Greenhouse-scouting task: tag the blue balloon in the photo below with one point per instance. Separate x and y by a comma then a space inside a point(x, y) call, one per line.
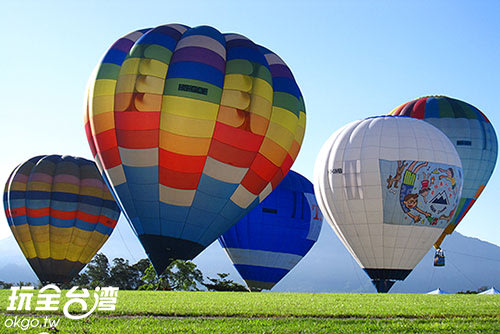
point(268, 242)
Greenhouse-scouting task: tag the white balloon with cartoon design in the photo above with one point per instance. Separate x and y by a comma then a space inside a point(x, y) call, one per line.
point(388, 186)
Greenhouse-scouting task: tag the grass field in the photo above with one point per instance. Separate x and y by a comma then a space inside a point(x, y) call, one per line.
point(232, 312)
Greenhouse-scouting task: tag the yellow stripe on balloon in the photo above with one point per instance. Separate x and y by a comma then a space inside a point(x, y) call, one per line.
point(149, 84)
point(285, 118)
point(125, 83)
point(66, 188)
point(260, 106)
point(190, 127)
point(184, 145)
point(263, 89)
point(130, 66)
point(235, 99)
point(96, 242)
point(104, 87)
point(302, 119)
point(239, 82)
point(108, 196)
point(191, 108)
point(91, 191)
point(19, 186)
point(153, 67)
point(101, 104)
point(301, 129)
point(280, 135)
point(39, 186)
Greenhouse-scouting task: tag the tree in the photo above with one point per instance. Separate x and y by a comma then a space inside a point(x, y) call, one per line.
point(473, 292)
point(223, 284)
point(98, 271)
point(81, 280)
point(184, 276)
point(179, 275)
point(5, 285)
point(123, 276)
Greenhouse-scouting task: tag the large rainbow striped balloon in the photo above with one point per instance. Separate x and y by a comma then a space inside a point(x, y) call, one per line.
point(473, 136)
point(60, 212)
point(193, 129)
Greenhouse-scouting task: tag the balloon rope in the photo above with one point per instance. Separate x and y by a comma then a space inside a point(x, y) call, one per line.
point(429, 286)
point(355, 267)
point(448, 260)
point(125, 244)
point(476, 256)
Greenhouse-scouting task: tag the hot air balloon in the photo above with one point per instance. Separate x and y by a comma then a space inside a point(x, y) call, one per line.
point(388, 186)
point(61, 212)
point(270, 240)
point(474, 138)
point(193, 128)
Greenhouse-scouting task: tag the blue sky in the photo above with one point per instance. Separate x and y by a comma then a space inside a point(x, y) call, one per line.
point(351, 59)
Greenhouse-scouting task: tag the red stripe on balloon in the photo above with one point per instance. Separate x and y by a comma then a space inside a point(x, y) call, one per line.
point(139, 139)
point(59, 214)
point(264, 167)
point(178, 180)
point(237, 137)
point(110, 158)
point(43, 212)
point(105, 140)
point(253, 182)
point(90, 139)
point(137, 120)
point(230, 155)
point(277, 178)
point(17, 212)
point(287, 164)
point(419, 109)
point(181, 162)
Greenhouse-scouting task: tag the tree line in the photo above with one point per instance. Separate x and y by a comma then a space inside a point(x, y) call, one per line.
point(178, 276)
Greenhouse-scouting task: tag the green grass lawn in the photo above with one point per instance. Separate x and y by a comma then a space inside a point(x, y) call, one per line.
point(233, 312)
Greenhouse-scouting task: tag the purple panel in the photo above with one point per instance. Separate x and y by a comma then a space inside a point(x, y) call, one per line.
point(199, 55)
point(279, 70)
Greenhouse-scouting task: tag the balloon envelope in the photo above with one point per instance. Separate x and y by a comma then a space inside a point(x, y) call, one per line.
point(193, 128)
point(473, 136)
point(60, 212)
point(388, 186)
point(270, 240)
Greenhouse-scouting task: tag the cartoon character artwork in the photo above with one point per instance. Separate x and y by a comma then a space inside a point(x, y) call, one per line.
point(427, 193)
point(424, 187)
point(393, 181)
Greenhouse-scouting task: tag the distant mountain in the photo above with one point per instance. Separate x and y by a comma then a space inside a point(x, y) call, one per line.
point(470, 264)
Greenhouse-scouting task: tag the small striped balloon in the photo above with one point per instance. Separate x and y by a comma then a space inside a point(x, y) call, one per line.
point(61, 212)
point(193, 129)
point(269, 241)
